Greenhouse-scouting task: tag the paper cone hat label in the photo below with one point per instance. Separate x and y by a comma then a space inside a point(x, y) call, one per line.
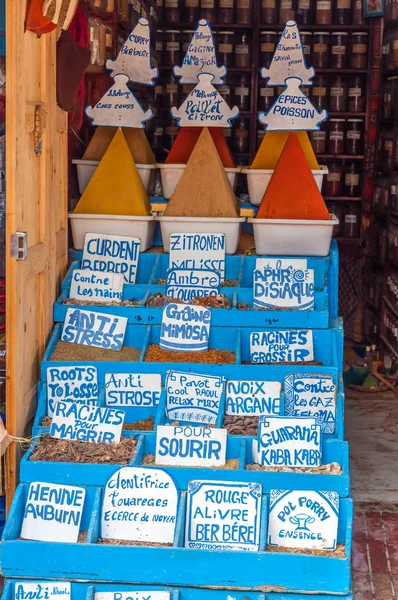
point(200, 57)
point(119, 107)
point(205, 106)
point(288, 60)
point(292, 111)
point(134, 58)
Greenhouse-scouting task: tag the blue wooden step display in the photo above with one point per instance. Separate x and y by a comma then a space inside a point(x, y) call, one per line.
point(87, 591)
point(173, 566)
point(238, 447)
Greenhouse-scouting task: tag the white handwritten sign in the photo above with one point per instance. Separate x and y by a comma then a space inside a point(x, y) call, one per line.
point(280, 263)
point(119, 107)
point(112, 254)
point(287, 442)
point(53, 512)
point(185, 283)
point(253, 398)
point(192, 397)
point(223, 515)
point(95, 285)
point(284, 288)
point(185, 328)
point(276, 346)
point(132, 389)
point(134, 58)
point(200, 57)
point(198, 251)
point(140, 505)
point(42, 590)
point(204, 107)
point(183, 445)
point(303, 519)
point(94, 329)
point(78, 384)
point(132, 595)
point(72, 421)
point(312, 396)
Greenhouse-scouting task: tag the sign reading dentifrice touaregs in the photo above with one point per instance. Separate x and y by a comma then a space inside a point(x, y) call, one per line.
point(42, 590)
point(291, 345)
point(193, 397)
point(185, 328)
point(112, 254)
point(132, 389)
point(73, 421)
point(94, 329)
point(76, 384)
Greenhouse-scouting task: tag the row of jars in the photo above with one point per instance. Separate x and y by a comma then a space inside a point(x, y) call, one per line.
point(392, 288)
point(390, 327)
point(224, 12)
point(309, 12)
point(343, 179)
point(390, 11)
point(390, 50)
point(390, 98)
point(385, 195)
point(339, 136)
point(386, 149)
point(349, 216)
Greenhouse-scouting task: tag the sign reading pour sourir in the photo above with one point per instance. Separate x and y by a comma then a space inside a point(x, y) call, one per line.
point(277, 346)
point(303, 519)
point(52, 512)
point(112, 254)
point(287, 442)
point(77, 384)
point(185, 328)
point(42, 590)
point(185, 283)
point(183, 445)
point(223, 515)
point(132, 389)
point(198, 251)
point(283, 288)
point(193, 397)
point(139, 505)
point(253, 398)
point(94, 329)
point(73, 421)
point(95, 285)
point(312, 395)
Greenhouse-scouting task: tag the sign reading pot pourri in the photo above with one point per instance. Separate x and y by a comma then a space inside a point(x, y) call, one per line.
point(223, 515)
point(42, 590)
point(132, 389)
point(112, 254)
point(284, 288)
point(303, 519)
point(185, 283)
point(73, 421)
point(183, 445)
point(52, 512)
point(253, 398)
point(96, 285)
point(312, 396)
point(185, 328)
point(291, 345)
point(140, 504)
point(76, 384)
point(193, 397)
point(133, 595)
point(89, 328)
point(198, 251)
point(287, 442)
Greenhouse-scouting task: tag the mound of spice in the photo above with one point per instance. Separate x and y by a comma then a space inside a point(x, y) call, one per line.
point(131, 543)
point(237, 425)
point(338, 553)
point(50, 449)
point(328, 469)
point(147, 424)
point(220, 357)
point(219, 301)
point(231, 463)
point(65, 351)
point(78, 302)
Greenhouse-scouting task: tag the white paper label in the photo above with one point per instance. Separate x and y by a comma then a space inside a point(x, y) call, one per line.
point(77, 384)
point(96, 285)
point(281, 346)
point(312, 396)
point(73, 421)
point(94, 329)
point(198, 251)
point(192, 397)
point(185, 328)
point(289, 442)
point(284, 288)
point(42, 590)
point(190, 446)
point(253, 398)
point(112, 254)
point(136, 390)
point(186, 283)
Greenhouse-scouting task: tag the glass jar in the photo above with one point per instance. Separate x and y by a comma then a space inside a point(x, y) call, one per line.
point(266, 96)
point(319, 93)
point(186, 89)
point(388, 149)
point(323, 15)
point(260, 136)
point(352, 215)
point(159, 94)
point(306, 42)
point(225, 11)
point(242, 51)
point(242, 92)
point(354, 136)
point(241, 135)
point(159, 45)
point(376, 194)
point(227, 133)
point(394, 49)
point(169, 135)
point(171, 47)
point(338, 94)
point(225, 90)
point(357, 13)
point(343, 12)
point(286, 11)
point(208, 10)
point(304, 12)
point(158, 137)
point(170, 91)
point(339, 49)
point(268, 12)
point(268, 40)
point(356, 94)
point(191, 11)
point(335, 208)
point(393, 194)
point(320, 50)
point(388, 98)
point(318, 141)
point(225, 48)
point(359, 50)
point(171, 12)
point(334, 179)
point(244, 10)
point(394, 10)
point(336, 136)
point(352, 180)
point(187, 35)
point(386, 49)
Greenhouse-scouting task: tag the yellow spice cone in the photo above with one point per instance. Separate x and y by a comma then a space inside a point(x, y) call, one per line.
point(272, 145)
point(135, 138)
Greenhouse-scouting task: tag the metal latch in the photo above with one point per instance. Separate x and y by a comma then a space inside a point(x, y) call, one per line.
point(19, 245)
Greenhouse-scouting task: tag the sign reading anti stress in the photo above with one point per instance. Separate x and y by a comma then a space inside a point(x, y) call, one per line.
point(42, 590)
point(94, 329)
point(185, 328)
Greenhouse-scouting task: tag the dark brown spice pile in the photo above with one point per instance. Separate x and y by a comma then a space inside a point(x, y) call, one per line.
point(219, 301)
point(54, 450)
point(338, 553)
point(147, 424)
point(237, 425)
point(78, 302)
point(156, 354)
point(229, 283)
point(64, 351)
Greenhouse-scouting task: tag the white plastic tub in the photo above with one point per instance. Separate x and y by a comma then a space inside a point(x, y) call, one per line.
point(229, 226)
point(171, 175)
point(86, 168)
point(293, 237)
point(140, 227)
point(258, 180)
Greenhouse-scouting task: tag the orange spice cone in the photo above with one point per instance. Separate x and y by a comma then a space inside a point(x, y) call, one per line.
point(186, 140)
